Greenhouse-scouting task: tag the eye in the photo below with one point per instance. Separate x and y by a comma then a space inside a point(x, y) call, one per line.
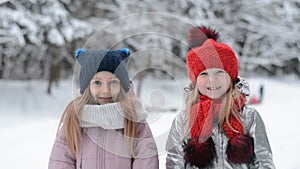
point(114, 82)
point(97, 82)
point(203, 74)
point(220, 72)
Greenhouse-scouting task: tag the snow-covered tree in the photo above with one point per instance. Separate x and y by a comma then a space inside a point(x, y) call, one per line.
point(38, 37)
point(263, 33)
point(34, 38)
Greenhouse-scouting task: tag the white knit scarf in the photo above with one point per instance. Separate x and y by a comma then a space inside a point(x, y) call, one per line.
point(107, 116)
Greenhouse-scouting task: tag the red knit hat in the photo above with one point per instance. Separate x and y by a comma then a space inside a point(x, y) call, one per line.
point(210, 54)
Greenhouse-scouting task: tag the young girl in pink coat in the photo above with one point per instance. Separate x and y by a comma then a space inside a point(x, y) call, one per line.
point(105, 127)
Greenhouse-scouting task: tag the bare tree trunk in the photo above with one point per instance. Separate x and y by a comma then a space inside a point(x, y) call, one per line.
point(54, 71)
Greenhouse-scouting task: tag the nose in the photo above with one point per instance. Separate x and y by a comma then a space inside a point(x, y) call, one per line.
point(211, 78)
point(106, 89)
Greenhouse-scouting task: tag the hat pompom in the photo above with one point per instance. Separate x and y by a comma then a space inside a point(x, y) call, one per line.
point(200, 154)
point(125, 51)
point(241, 149)
point(198, 35)
point(78, 51)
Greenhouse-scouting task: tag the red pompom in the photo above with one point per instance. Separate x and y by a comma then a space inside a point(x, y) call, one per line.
point(241, 149)
point(198, 35)
point(200, 154)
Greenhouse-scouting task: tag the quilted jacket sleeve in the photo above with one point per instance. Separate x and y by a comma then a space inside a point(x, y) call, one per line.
point(146, 150)
point(175, 153)
point(262, 147)
point(61, 157)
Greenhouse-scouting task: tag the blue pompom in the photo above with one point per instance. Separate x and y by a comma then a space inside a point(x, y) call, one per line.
point(125, 51)
point(78, 51)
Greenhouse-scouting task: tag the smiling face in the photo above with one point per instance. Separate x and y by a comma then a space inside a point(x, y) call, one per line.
point(213, 82)
point(105, 87)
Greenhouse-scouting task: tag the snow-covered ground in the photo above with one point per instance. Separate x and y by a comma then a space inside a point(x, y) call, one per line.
point(29, 118)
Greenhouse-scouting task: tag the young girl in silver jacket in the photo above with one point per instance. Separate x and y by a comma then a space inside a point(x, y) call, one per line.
point(217, 129)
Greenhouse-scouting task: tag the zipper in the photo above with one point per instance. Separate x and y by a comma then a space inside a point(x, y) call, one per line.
point(104, 148)
point(221, 147)
point(98, 143)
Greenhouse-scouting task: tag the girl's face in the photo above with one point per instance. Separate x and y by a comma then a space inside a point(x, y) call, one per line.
point(213, 82)
point(105, 87)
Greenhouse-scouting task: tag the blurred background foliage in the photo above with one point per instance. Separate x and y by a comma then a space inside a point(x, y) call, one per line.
point(38, 37)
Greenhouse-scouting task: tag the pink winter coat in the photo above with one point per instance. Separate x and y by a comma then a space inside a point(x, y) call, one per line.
point(102, 148)
point(108, 150)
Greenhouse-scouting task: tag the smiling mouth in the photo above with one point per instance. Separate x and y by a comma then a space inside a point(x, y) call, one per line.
point(213, 88)
point(106, 98)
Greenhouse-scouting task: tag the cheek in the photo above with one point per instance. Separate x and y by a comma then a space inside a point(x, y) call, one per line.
point(115, 90)
point(226, 84)
point(227, 81)
point(94, 91)
point(200, 85)
point(200, 81)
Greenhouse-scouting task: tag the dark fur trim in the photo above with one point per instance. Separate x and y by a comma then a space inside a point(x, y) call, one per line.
point(241, 149)
point(198, 154)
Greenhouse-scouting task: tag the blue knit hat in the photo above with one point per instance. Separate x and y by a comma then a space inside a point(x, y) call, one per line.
point(93, 61)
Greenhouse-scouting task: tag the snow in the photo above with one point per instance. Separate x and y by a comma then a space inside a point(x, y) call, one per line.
point(29, 118)
point(55, 37)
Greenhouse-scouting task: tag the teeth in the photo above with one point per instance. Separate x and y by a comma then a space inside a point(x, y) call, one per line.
point(213, 88)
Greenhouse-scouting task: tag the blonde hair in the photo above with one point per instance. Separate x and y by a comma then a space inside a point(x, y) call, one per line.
point(70, 124)
point(228, 107)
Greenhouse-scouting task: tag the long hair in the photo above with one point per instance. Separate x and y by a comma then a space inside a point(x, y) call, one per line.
point(70, 124)
point(129, 104)
point(228, 107)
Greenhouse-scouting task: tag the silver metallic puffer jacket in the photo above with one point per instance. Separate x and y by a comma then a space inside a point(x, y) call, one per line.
point(253, 126)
